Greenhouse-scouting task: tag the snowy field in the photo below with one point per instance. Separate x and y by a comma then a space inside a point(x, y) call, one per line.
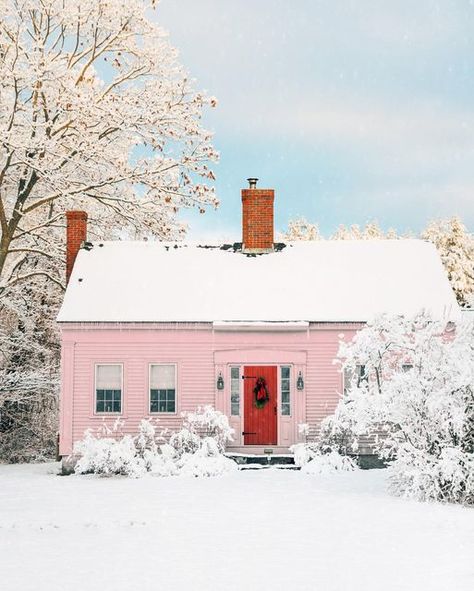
point(251, 530)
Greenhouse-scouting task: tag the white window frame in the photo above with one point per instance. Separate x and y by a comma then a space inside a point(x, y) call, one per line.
point(157, 412)
point(122, 393)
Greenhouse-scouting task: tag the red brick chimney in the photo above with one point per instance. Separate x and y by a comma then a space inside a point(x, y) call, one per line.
point(76, 234)
point(257, 218)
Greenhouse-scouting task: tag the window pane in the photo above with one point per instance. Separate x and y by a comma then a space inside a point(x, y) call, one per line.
point(163, 400)
point(285, 391)
point(235, 391)
point(162, 376)
point(108, 401)
point(108, 377)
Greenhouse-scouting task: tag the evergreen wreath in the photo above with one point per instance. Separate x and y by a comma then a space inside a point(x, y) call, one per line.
point(261, 393)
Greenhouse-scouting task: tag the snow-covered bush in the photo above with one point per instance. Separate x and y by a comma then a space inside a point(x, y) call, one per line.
point(304, 452)
point(206, 461)
point(206, 421)
point(417, 398)
point(110, 453)
point(108, 456)
point(335, 436)
point(329, 463)
point(185, 441)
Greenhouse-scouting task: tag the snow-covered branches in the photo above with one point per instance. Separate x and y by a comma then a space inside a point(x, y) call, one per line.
point(95, 113)
point(456, 248)
point(29, 371)
point(301, 229)
point(417, 397)
point(354, 232)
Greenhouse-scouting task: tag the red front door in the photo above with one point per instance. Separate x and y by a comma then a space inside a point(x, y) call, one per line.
point(260, 424)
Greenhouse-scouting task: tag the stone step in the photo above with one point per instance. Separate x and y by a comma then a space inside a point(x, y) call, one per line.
point(267, 460)
point(268, 466)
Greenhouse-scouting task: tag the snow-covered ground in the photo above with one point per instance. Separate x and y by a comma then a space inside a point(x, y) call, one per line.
point(252, 530)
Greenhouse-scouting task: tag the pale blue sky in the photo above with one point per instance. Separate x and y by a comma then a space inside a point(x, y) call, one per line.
point(351, 109)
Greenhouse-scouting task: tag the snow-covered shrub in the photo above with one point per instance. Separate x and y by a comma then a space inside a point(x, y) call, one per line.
point(329, 463)
point(185, 441)
point(206, 461)
point(110, 452)
point(206, 421)
point(304, 430)
point(336, 434)
point(417, 399)
point(107, 456)
point(446, 477)
point(303, 452)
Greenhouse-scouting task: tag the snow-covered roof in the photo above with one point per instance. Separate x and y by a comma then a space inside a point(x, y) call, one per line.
point(304, 281)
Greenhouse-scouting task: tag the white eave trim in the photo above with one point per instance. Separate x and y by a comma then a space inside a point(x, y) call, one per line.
point(249, 326)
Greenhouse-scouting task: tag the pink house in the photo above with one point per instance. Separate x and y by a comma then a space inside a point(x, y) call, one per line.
point(152, 329)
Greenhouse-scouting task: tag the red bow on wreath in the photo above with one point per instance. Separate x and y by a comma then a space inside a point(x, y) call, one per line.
point(261, 393)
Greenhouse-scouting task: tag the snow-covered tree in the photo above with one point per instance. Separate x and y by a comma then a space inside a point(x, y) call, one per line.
point(29, 370)
point(456, 248)
point(95, 113)
point(417, 398)
point(301, 229)
point(371, 231)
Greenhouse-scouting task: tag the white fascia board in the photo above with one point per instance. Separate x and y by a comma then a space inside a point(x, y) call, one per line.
point(248, 326)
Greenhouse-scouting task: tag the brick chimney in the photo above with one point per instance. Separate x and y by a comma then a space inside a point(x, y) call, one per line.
point(257, 218)
point(76, 234)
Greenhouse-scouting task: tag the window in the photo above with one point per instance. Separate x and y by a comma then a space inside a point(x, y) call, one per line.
point(235, 391)
point(108, 388)
point(362, 376)
point(285, 391)
point(406, 367)
point(163, 388)
point(359, 374)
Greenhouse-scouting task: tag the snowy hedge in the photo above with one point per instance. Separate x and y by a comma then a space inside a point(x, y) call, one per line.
point(415, 396)
point(196, 450)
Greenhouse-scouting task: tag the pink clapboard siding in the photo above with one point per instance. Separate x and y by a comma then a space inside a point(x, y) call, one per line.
point(200, 353)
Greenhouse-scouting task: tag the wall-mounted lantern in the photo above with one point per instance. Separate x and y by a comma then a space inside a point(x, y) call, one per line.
point(220, 381)
point(300, 382)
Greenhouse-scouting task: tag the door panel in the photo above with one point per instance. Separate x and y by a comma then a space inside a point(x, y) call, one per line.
point(260, 424)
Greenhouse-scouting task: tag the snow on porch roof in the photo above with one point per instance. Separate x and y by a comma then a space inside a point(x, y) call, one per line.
point(310, 281)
